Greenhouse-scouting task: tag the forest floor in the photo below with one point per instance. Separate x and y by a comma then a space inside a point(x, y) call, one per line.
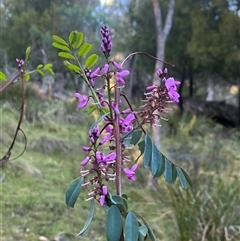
point(33, 186)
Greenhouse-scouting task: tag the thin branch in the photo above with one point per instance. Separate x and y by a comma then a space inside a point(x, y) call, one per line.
point(6, 157)
point(10, 82)
point(149, 55)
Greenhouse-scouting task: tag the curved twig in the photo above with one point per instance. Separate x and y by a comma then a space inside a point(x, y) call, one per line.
point(6, 157)
point(149, 55)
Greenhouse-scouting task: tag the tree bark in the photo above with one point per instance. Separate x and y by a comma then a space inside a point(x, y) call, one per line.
point(162, 34)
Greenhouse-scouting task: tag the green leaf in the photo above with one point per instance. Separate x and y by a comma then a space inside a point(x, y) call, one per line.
point(41, 72)
point(114, 224)
point(50, 71)
point(27, 52)
point(98, 121)
point(142, 232)
point(168, 174)
point(91, 61)
point(27, 77)
point(3, 76)
point(136, 137)
point(66, 55)
point(84, 49)
point(90, 217)
point(131, 229)
point(174, 175)
point(59, 40)
point(118, 201)
point(182, 178)
point(47, 66)
point(127, 139)
point(147, 151)
point(150, 231)
point(73, 191)
point(61, 46)
point(187, 178)
point(71, 66)
point(75, 38)
point(91, 109)
point(155, 164)
point(161, 164)
point(40, 66)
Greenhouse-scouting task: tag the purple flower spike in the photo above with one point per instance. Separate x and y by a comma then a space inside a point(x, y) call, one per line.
point(83, 100)
point(120, 75)
point(130, 173)
point(106, 45)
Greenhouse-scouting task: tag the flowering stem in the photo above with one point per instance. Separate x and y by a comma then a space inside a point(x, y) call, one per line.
point(109, 96)
point(118, 144)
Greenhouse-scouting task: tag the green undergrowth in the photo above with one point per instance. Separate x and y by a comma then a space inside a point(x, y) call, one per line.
point(33, 186)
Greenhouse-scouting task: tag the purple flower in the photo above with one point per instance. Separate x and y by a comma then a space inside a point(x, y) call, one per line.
point(130, 173)
point(104, 190)
point(105, 68)
point(165, 71)
point(95, 73)
point(120, 75)
point(85, 161)
point(171, 86)
point(159, 73)
point(117, 66)
point(102, 200)
point(83, 100)
point(151, 87)
point(115, 108)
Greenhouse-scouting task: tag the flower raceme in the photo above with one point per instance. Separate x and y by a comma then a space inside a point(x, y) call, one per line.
point(102, 154)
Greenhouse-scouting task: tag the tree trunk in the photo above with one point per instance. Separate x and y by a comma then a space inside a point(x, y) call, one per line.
point(161, 33)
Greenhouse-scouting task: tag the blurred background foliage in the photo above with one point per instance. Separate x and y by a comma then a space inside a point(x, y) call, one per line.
point(204, 46)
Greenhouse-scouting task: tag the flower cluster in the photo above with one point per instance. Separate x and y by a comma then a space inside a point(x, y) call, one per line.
point(157, 99)
point(20, 62)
